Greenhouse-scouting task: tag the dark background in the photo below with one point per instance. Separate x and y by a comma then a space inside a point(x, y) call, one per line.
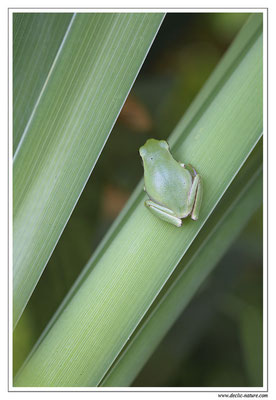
point(217, 341)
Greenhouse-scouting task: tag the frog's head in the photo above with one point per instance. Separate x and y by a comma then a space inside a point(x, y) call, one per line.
point(153, 149)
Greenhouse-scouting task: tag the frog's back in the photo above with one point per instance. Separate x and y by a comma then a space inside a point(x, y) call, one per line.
point(169, 187)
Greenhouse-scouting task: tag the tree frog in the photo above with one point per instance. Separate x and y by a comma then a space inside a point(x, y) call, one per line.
point(174, 189)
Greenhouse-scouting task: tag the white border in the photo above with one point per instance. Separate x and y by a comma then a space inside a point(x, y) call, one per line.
point(10, 114)
point(139, 10)
point(265, 210)
point(190, 390)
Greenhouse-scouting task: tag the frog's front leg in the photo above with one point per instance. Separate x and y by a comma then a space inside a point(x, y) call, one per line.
point(195, 197)
point(162, 212)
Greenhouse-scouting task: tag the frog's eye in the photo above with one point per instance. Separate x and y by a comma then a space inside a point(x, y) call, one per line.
point(164, 144)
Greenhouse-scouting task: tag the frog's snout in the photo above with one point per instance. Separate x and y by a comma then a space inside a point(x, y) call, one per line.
point(142, 151)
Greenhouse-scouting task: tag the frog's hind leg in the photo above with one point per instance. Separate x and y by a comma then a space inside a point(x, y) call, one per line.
point(195, 197)
point(162, 212)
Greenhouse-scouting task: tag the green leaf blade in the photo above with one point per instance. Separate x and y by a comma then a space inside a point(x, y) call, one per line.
point(37, 38)
point(79, 105)
point(241, 200)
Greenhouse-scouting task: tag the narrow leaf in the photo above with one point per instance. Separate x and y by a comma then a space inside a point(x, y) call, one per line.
point(232, 213)
point(36, 40)
point(95, 68)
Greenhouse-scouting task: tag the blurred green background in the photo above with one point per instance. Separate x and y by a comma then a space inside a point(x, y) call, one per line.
point(218, 339)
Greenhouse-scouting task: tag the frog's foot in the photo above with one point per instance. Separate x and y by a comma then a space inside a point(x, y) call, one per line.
point(164, 213)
